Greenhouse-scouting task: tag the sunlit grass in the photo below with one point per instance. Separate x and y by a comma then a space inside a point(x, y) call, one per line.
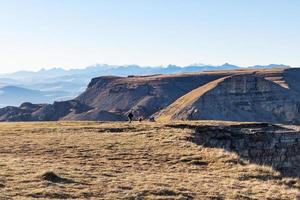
point(126, 161)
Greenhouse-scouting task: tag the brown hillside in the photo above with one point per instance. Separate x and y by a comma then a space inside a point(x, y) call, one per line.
point(187, 99)
point(245, 97)
point(147, 95)
point(110, 98)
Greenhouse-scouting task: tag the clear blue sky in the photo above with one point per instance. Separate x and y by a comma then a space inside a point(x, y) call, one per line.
point(75, 33)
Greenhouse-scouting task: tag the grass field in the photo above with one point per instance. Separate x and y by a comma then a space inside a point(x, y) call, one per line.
point(93, 160)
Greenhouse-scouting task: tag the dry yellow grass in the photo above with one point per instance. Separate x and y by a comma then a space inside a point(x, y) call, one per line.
point(126, 161)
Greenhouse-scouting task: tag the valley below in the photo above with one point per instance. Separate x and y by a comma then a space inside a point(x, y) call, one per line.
point(161, 160)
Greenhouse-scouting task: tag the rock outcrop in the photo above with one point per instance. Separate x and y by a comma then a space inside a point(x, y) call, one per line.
point(259, 143)
point(244, 97)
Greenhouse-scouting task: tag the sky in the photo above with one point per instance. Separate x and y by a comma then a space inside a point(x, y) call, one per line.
point(38, 34)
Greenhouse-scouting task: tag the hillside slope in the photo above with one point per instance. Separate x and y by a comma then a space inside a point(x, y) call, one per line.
point(237, 98)
point(144, 95)
point(110, 98)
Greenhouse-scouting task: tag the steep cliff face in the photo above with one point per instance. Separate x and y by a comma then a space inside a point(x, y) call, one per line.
point(245, 97)
point(143, 95)
point(110, 98)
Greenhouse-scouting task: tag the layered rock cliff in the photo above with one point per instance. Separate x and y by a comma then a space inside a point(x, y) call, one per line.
point(245, 97)
point(110, 98)
point(259, 143)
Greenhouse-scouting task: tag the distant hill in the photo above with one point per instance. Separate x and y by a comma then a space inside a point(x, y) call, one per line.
point(13, 95)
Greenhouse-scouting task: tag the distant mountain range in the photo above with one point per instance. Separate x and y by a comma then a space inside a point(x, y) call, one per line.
point(46, 86)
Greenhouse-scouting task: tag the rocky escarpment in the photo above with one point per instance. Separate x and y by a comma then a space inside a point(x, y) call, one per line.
point(143, 95)
point(263, 144)
point(110, 98)
point(244, 97)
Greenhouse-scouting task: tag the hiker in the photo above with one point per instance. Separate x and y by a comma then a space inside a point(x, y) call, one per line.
point(130, 116)
point(151, 119)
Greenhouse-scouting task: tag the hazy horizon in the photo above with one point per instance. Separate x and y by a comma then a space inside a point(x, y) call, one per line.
point(127, 65)
point(73, 34)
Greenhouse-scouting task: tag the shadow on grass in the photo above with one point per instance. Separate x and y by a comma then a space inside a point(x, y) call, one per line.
point(52, 177)
point(259, 143)
point(161, 193)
